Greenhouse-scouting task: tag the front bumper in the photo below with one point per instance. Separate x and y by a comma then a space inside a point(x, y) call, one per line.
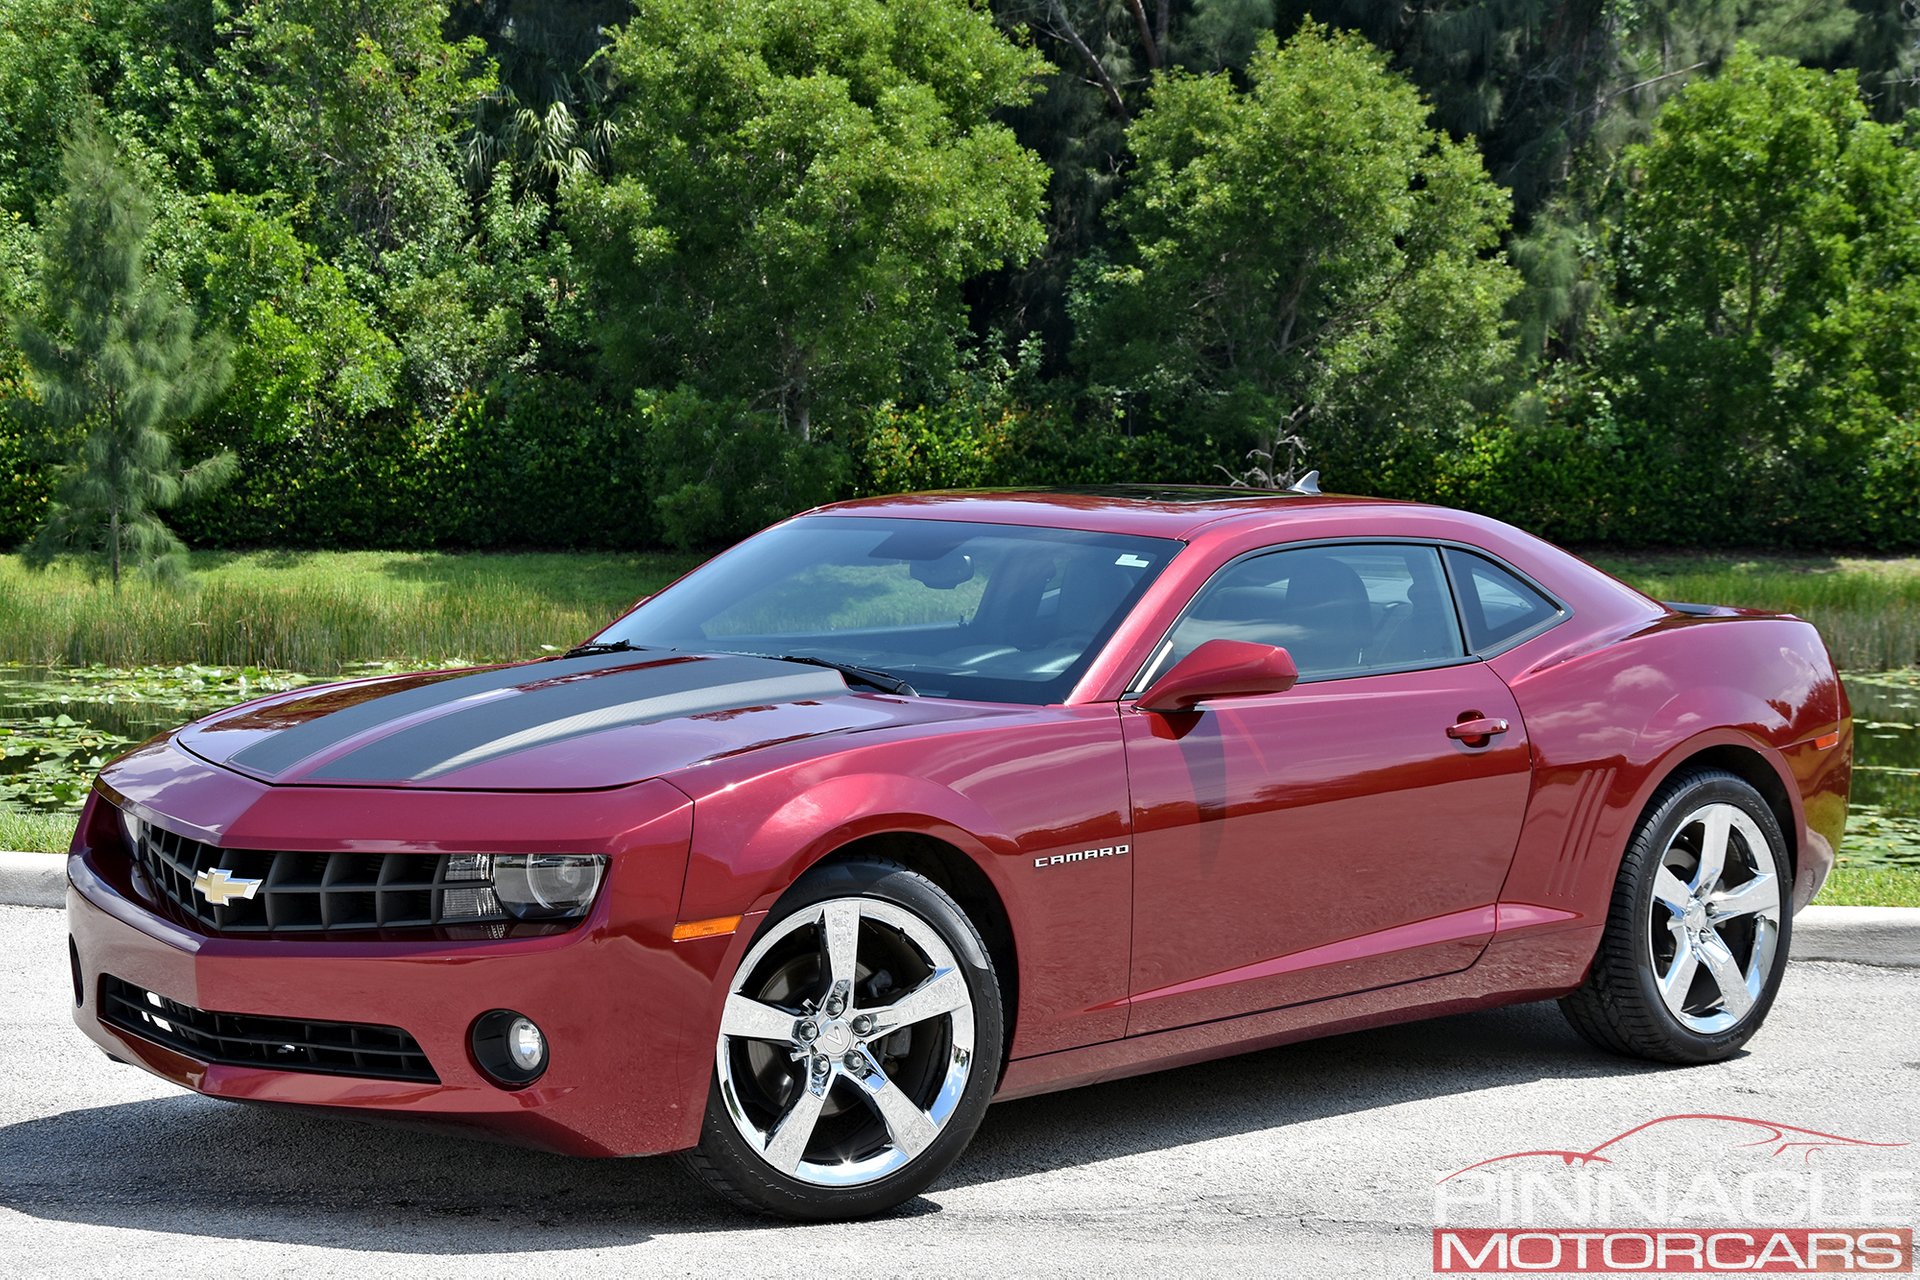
point(626, 1010)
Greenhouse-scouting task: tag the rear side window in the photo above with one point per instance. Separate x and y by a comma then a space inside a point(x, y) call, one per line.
point(1342, 610)
point(1496, 606)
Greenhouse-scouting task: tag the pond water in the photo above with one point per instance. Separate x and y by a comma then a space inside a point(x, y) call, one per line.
point(58, 727)
point(1883, 825)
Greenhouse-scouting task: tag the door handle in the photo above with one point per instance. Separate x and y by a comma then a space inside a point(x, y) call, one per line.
point(1478, 730)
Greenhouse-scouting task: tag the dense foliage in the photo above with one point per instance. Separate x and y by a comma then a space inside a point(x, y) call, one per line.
point(1304, 251)
point(620, 273)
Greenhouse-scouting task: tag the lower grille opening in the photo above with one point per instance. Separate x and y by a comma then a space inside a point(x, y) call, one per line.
point(250, 1040)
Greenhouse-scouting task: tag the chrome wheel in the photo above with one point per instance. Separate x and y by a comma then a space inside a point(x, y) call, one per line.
point(1713, 927)
point(846, 1043)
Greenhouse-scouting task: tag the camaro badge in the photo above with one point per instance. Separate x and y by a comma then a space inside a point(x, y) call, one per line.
point(219, 887)
point(1059, 859)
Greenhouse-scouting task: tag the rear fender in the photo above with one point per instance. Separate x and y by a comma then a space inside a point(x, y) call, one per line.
point(1610, 726)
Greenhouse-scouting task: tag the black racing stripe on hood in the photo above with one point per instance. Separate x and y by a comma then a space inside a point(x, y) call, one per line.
point(280, 751)
point(556, 710)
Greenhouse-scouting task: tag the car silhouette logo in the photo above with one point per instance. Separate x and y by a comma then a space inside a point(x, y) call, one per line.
point(219, 887)
point(1788, 1137)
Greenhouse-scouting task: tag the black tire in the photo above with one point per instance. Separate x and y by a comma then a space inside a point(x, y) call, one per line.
point(727, 1162)
point(1620, 1007)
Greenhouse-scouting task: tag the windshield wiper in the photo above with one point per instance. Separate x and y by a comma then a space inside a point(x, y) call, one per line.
point(603, 646)
point(870, 676)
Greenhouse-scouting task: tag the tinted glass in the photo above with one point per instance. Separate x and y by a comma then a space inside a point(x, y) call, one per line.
point(1001, 613)
point(1495, 605)
point(1339, 611)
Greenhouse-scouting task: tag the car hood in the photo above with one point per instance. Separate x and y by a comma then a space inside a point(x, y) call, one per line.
point(603, 720)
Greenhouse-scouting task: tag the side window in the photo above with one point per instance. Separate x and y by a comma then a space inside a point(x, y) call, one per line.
point(1338, 610)
point(1495, 605)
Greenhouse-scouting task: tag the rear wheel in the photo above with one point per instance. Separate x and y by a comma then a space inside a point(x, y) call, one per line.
point(857, 1048)
point(1696, 937)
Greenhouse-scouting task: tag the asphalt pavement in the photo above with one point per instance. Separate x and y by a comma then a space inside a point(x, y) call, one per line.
point(1319, 1159)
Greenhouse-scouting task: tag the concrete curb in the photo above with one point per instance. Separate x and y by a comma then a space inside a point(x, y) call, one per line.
point(33, 879)
point(1862, 935)
point(1887, 936)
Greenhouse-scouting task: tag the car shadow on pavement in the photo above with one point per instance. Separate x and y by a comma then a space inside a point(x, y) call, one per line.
point(190, 1165)
point(1276, 1088)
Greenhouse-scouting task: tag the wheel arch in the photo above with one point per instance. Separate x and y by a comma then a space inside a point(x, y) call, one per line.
point(1746, 761)
point(748, 857)
point(967, 883)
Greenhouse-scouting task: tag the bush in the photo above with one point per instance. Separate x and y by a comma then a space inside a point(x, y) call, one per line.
point(960, 445)
point(1598, 482)
point(1893, 488)
point(536, 463)
point(25, 486)
point(967, 442)
point(718, 471)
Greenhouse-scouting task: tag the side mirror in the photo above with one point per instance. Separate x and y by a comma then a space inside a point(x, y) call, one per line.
point(1221, 669)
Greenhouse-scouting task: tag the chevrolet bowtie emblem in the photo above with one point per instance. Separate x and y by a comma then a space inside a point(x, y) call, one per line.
point(219, 887)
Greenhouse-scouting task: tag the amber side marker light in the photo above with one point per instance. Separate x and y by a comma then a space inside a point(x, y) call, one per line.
point(1827, 741)
point(688, 930)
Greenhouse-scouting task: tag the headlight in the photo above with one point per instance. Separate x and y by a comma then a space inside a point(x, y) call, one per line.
point(547, 886)
point(130, 825)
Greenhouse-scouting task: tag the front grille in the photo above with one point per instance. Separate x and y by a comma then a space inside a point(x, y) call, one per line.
point(322, 892)
point(248, 1040)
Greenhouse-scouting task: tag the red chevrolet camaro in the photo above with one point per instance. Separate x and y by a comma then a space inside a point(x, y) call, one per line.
point(906, 805)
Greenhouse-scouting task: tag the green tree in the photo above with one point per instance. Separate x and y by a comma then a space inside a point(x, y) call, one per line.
point(310, 362)
point(548, 116)
point(1302, 256)
point(43, 84)
point(1769, 287)
point(360, 103)
point(1107, 53)
point(1537, 81)
point(114, 364)
point(798, 190)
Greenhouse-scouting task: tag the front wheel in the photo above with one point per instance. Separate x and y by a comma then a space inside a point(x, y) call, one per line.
point(1696, 938)
point(857, 1049)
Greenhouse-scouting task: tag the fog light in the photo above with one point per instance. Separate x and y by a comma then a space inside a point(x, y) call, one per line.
point(525, 1045)
point(509, 1047)
point(547, 886)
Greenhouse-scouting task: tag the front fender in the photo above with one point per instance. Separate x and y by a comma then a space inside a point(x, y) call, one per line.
point(742, 861)
point(1005, 796)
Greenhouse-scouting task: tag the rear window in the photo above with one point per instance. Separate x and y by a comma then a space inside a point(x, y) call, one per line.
point(1496, 606)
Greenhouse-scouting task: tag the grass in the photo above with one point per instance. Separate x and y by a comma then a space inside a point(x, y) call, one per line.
point(1867, 609)
point(1871, 887)
point(321, 611)
point(36, 832)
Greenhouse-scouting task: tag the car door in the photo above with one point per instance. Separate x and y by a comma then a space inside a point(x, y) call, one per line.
point(1344, 835)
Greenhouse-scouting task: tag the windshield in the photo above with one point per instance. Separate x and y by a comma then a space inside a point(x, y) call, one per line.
point(997, 613)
